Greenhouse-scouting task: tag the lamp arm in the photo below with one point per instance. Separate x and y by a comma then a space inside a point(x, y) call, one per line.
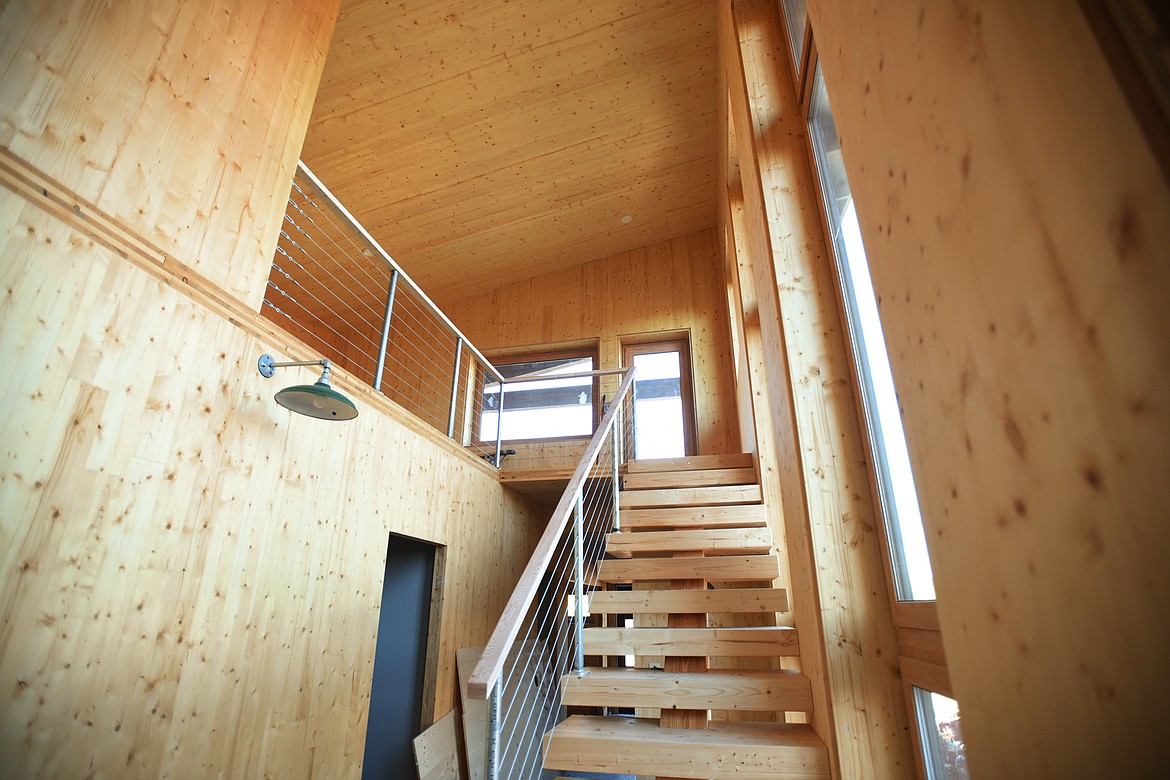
point(267, 366)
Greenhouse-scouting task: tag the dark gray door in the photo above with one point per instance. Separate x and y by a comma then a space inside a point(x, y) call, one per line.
point(399, 660)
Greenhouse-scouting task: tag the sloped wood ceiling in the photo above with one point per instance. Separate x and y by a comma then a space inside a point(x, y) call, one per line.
point(489, 141)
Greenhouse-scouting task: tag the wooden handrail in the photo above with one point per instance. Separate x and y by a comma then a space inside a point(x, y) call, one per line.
point(487, 671)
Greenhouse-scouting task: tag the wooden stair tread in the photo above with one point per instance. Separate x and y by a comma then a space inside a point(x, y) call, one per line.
point(722, 751)
point(719, 568)
point(754, 641)
point(697, 478)
point(765, 690)
point(691, 496)
point(745, 541)
point(692, 462)
point(689, 601)
point(730, 516)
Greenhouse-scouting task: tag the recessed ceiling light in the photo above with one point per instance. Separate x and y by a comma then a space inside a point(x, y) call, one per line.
point(626, 219)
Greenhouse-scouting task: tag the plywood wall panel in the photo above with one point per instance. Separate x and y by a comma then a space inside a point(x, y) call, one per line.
point(190, 575)
point(1016, 223)
point(668, 285)
point(182, 120)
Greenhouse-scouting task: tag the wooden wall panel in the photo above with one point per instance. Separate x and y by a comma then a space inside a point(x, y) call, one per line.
point(668, 285)
point(835, 550)
point(1017, 225)
point(189, 574)
point(181, 120)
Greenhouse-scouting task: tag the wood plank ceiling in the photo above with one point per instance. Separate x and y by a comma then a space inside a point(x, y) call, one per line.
point(488, 141)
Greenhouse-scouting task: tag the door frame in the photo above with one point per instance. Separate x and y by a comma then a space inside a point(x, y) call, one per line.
point(670, 341)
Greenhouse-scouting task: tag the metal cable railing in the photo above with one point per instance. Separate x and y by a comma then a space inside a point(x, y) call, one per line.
point(539, 639)
point(333, 287)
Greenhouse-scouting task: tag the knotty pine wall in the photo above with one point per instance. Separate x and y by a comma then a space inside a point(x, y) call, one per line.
point(675, 284)
point(1017, 226)
point(189, 574)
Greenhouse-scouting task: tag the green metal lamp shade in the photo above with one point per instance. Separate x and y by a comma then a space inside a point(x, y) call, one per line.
point(317, 400)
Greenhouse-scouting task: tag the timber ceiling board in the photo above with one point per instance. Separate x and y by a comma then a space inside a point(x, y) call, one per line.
point(488, 141)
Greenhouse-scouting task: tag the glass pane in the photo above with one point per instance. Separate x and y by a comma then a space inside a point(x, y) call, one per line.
point(658, 406)
point(912, 572)
point(942, 738)
point(795, 17)
point(541, 408)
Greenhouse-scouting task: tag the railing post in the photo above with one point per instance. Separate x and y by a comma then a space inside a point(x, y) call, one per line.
point(499, 420)
point(386, 329)
point(493, 734)
point(633, 453)
point(617, 480)
point(579, 584)
point(455, 387)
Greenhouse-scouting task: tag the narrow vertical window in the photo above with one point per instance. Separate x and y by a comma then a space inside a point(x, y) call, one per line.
point(939, 731)
point(795, 18)
point(907, 539)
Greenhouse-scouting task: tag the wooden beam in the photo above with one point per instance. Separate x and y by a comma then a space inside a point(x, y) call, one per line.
point(837, 562)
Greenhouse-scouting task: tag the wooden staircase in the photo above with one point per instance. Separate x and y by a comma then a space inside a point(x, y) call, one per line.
point(690, 521)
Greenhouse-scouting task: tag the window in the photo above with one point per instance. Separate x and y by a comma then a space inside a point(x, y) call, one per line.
point(940, 735)
point(913, 578)
point(543, 406)
point(664, 408)
point(795, 19)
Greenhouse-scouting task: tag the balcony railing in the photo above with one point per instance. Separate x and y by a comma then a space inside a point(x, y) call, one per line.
point(336, 289)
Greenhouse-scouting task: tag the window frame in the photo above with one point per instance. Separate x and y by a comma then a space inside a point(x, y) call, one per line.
point(531, 355)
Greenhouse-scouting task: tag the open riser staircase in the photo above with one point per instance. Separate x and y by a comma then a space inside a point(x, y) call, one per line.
point(694, 543)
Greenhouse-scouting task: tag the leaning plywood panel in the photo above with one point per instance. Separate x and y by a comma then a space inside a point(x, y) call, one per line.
point(1017, 225)
point(436, 750)
point(475, 714)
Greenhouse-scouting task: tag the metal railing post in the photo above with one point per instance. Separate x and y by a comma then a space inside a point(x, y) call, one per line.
point(455, 387)
point(579, 584)
point(493, 734)
point(499, 421)
point(617, 480)
point(633, 453)
point(386, 329)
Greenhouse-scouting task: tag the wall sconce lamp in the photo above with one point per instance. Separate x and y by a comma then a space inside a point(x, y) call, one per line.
point(317, 400)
